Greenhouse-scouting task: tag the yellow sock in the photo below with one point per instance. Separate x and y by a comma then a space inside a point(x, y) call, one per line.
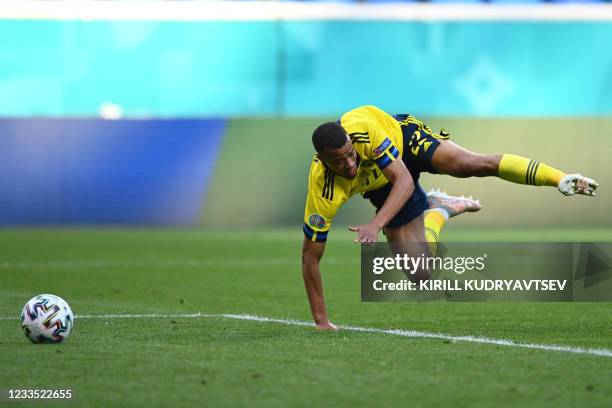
point(434, 221)
point(521, 170)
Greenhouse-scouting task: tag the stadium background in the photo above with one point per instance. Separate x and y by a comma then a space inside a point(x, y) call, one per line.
point(185, 122)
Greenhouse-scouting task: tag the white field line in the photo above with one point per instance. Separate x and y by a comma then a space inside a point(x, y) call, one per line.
point(393, 332)
point(229, 10)
point(164, 263)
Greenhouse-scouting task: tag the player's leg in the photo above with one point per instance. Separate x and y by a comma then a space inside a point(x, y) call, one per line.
point(415, 229)
point(405, 233)
point(452, 159)
point(420, 236)
point(410, 239)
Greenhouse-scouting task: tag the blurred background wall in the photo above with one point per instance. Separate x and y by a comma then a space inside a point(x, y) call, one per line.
point(208, 122)
point(304, 68)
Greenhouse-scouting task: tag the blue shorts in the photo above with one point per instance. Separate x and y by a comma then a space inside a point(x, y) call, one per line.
point(415, 206)
point(419, 145)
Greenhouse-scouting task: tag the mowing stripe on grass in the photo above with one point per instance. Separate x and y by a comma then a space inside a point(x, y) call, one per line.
point(393, 332)
point(163, 263)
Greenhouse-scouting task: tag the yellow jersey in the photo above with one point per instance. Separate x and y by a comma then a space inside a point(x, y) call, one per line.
point(377, 138)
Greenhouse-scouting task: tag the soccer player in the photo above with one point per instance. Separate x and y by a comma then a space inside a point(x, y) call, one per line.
point(359, 155)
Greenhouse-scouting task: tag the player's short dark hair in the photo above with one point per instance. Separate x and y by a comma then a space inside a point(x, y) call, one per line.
point(329, 135)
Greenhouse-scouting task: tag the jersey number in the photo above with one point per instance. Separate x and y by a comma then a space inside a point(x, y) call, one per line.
point(417, 141)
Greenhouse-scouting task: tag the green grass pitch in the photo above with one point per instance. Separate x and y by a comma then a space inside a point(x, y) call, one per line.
point(212, 361)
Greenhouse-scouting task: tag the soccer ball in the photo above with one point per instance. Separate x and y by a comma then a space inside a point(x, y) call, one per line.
point(47, 319)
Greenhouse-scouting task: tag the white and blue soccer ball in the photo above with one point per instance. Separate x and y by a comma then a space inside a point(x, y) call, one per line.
point(47, 319)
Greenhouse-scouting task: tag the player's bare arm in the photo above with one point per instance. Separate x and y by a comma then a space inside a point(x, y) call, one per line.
point(312, 252)
point(403, 187)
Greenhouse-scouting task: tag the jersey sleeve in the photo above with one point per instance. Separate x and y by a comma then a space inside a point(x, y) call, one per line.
point(383, 151)
point(320, 205)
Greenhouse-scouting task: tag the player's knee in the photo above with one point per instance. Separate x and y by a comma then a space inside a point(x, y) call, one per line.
point(462, 166)
point(488, 165)
point(475, 165)
point(420, 275)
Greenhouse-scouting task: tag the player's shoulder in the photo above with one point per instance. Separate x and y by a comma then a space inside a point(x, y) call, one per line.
point(358, 124)
point(317, 169)
point(324, 186)
point(367, 118)
point(316, 163)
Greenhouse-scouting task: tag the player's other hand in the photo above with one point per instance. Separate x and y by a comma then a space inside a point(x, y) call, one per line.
point(577, 184)
point(367, 233)
point(327, 325)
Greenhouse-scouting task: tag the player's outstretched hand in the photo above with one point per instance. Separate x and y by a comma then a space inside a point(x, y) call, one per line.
point(367, 233)
point(577, 184)
point(326, 326)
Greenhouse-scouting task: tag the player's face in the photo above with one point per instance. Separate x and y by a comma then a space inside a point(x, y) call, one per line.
point(343, 161)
